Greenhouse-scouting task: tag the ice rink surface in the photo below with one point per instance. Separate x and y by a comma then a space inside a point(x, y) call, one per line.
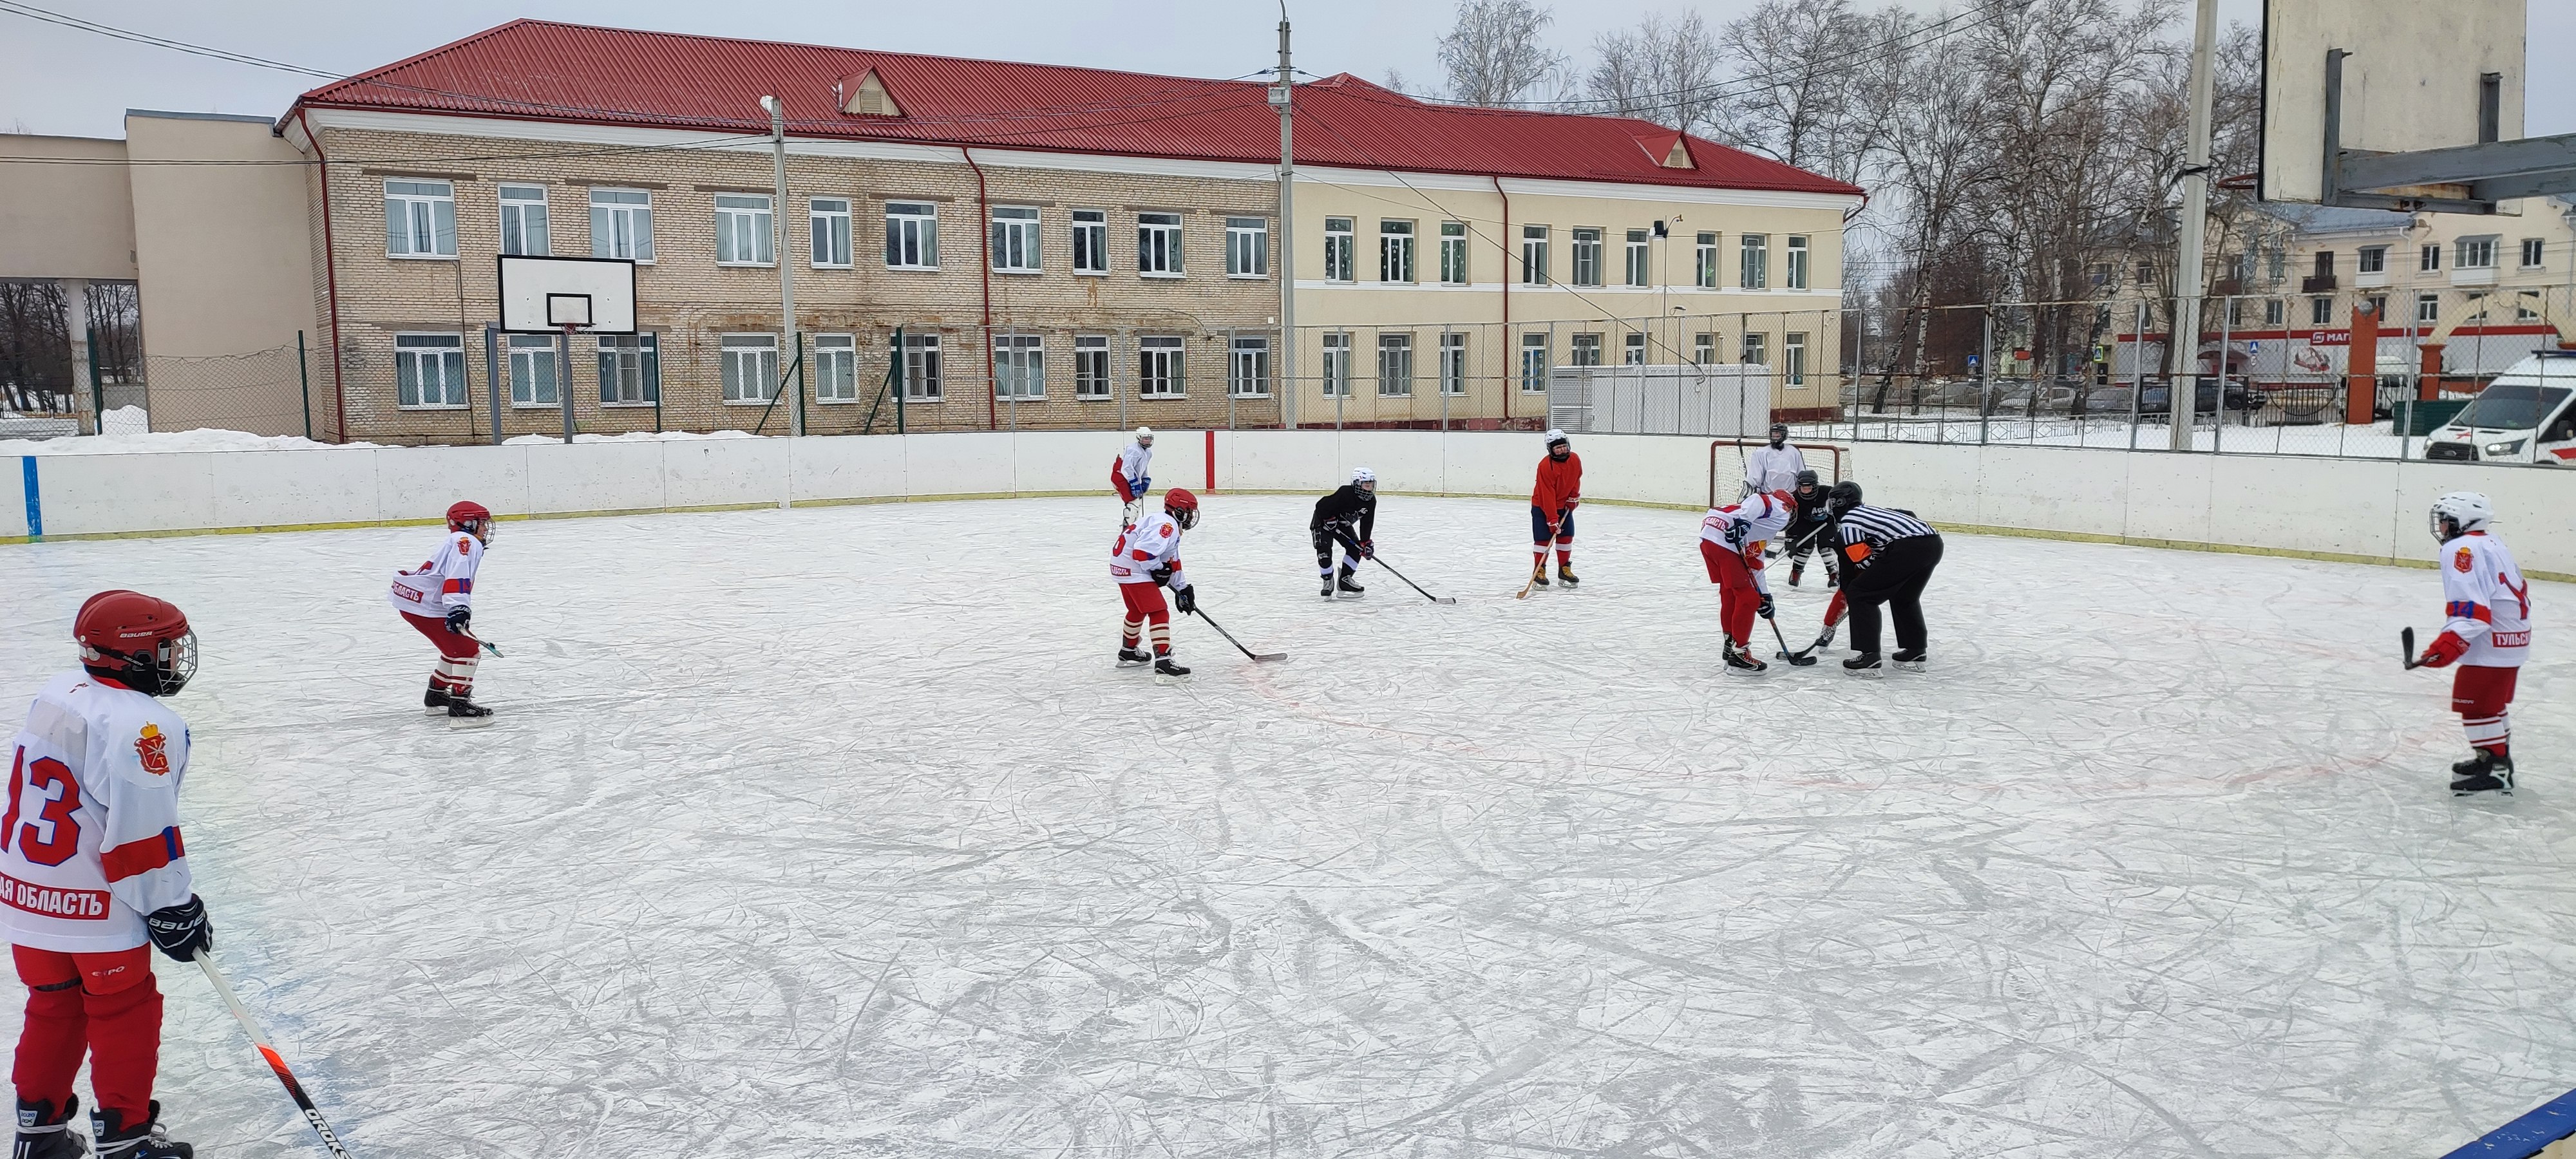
point(835, 832)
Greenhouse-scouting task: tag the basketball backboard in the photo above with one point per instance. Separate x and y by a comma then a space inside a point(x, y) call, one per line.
point(550, 295)
point(2347, 83)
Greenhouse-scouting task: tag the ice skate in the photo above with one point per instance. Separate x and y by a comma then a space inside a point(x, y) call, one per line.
point(145, 1140)
point(1740, 661)
point(1908, 659)
point(1346, 584)
point(1328, 587)
point(435, 700)
point(1128, 657)
point(1165, 667)
point(1565, 572)
point(1865, 665)
point(1797, 569)
point(45, 1133)
point(464, 713)
point(2490, 772)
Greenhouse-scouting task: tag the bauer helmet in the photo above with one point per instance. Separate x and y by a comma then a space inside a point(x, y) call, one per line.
point(1144, 436)
point(2460, 513)
point(1182, 506)
point(1779, 433)
point(1364, 479)
point(473, 519)
point(1844, 497)
point(136, 640)
point(1806, 479)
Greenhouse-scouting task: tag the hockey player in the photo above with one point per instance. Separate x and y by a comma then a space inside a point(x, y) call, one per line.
point(1348, 515)
point(1889, 556)
point(1730, 542)
point(1131, 476)
point(438, 597)
point(1775, 467)
point(2487, 631)
point(95, 872)
point(1552, 501)
point(1806, 532)
point(1146, 560)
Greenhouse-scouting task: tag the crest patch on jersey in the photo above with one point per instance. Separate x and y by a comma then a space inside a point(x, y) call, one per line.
point(2463, 560)
point(153, 749)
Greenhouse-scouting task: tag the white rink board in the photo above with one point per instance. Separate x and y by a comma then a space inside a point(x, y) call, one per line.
point(833, 831)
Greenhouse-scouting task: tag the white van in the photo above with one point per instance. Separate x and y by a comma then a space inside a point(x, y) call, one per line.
point(2527, 415)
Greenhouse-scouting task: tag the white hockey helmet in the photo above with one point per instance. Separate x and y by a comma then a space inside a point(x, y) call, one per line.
point(1365, 478)
point(2460, 513)
point(1145, 435)
point(1555, 436)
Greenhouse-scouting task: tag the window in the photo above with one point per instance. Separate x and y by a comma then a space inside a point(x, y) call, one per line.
point(2320, 311)
point(2477, 253)
point(1015, 240)
point(2276, 264)
point(921, 382)
point(1793, 359)
point(1640, 262)
point(1091, 366)
point(2532, 250)
point(2428, 308)
point(2374, 260)
point(1159, 367)
point(1395, 251)
point(830, 226)
point(1158, 245)
point(1587, 257)
point(1247, 372)
point(523, 221)
point(1704, 263)
point(630, 369)
point(1337, 366)
point(1453, 364)
point(1247, 247)
point(2378, 306)
point(1091, 241)
point(1534, 363)
point(2429, 258)
point(1587, 350)
point(1755, 350)
point(750, 364)
point(742, 230)
point(1453, 253)
point(1632, 350)
point(420, 219)
point(1793, 272)
point(1703, 349)
point(532, 370)
point(1394, 365)
point(1534, 256)
point(1019, 366)
point(1753, 271)
point(1337, 249)
point(2273, 313)
point(621, 224)
point(912, 235)
point(429, 370)
point(836, 368)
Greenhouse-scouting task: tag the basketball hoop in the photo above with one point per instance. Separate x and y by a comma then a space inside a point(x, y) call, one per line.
point(564, 296)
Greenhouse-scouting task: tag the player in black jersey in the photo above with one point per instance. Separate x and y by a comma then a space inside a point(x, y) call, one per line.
point(1807, 532)
point(1348, 515)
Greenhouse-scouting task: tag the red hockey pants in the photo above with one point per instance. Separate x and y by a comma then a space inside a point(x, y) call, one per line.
point(102, 1005)
point(457, 655)
point(1736, 596)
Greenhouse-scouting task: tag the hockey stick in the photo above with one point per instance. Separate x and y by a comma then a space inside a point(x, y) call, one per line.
point(1409, 583)
point(488, 646)
point(1238, 644)
point(2406, 646)
point(1536, 571)
point(1796, 660)
point(259, 1038)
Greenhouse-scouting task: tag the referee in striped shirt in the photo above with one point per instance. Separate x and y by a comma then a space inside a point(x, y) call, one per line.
point(1888, 555)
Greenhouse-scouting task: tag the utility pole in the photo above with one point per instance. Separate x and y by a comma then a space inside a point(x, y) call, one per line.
point(2182, 347)
point(788, 346)
point(1281, 96)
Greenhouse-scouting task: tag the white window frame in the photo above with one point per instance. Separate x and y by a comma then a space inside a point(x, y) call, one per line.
point(1704, 260)
point(444, 349)
point(2275, 314)
point(1247, 248)
point(1583, 350)
point(1162, 366)
point(630, 363)
point(1160, 251)
point(2373, 260)
point(1019, 367)
point(523, 217)
point(1536, 362)
point(2320, 311)
point(1586, 271)
point(1755, 349)
point(1793, 264)
point(1395, 251)
point(924, 369)
point(1793, 358)
point(1335, 367)
point(1453, 253)
point(1753, 263)
point(748, 376)
point(535, 371)
point(836, 368)
point(1534, 255)
point(1453, 364)
point(629, 224)
point(1395, 364)
point(1638, 259)
point(1340, 248)
point(2535, 252)
point(1090, 367)
point(1015, 231)
point(2428, 309)
point(420, 219)
point(1248, 367)
point(2428, 257)
point(1632, 348)
point(911, 235)
point(828, 237)
point(744, 225)
point(1703, 349)
point(2478, 253)
point(1090, 238)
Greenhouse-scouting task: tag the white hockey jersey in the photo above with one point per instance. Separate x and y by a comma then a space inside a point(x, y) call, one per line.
point(92, 828)
point(1773, 469)
point(1154, 542)
point(1134, 468)
point(446, 581)
point(2486, 601)
point(1762, 516)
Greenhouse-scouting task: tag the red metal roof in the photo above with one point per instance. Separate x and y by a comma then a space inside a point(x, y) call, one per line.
point(539, 70)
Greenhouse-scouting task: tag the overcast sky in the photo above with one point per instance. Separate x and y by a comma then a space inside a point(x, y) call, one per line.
point(60, 81)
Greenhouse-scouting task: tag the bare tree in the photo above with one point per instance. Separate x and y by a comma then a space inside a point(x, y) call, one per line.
point(1805, 68)
point(1494, 54)
point(1664, 70)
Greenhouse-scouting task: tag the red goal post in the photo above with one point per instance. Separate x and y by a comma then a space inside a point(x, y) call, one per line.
point(1732, 473)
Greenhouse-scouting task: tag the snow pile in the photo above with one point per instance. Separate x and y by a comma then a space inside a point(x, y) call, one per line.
point(126, 420)
point(628, 437)
point(163, 442)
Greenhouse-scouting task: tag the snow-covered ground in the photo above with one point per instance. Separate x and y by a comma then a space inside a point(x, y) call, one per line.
point(834, 831)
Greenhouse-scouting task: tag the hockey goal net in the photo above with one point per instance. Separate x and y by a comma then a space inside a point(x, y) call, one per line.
point(1726, 465)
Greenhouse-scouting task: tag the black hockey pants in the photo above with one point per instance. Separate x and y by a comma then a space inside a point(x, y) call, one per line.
point(1895, 577)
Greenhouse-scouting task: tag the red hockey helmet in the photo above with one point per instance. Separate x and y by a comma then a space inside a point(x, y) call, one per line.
point(1182, 506)
point(137, 640)
point(469, 516)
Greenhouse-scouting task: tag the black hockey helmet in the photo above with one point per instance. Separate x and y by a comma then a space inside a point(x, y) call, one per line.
point(1844, 497)
point(1806, 479)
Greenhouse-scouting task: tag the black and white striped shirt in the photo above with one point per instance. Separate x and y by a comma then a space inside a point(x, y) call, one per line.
point(1871, 529)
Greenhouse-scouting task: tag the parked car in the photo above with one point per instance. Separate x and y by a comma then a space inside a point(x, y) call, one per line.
point(2155, 396)
point(2527, 415)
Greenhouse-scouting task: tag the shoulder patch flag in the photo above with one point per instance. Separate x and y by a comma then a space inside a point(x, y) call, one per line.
point(153, 749)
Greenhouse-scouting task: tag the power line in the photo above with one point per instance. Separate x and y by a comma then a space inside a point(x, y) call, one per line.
point(31, 12)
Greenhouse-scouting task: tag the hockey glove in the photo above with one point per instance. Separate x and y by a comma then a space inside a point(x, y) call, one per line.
point(181, 930)
point(1186, 599)
point(1763, 609)
point(1162, 576)
point(1368, 549)
point(2446, 648)
point(459, 617)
